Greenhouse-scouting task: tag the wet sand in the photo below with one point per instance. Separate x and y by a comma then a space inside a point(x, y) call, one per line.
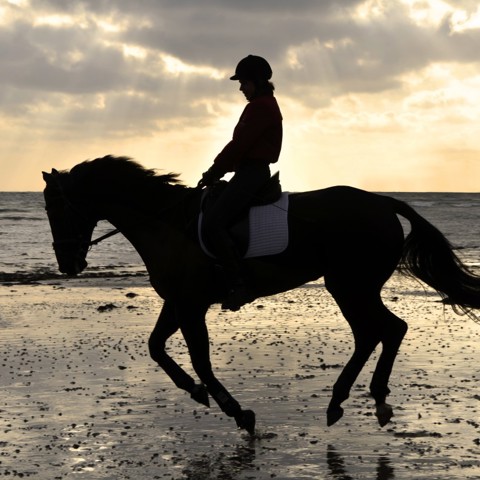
point(80, 397)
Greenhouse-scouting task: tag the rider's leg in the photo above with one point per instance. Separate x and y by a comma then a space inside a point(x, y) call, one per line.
point(237, 196)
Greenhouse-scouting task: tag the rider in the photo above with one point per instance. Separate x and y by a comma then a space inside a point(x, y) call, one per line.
point(256, 142)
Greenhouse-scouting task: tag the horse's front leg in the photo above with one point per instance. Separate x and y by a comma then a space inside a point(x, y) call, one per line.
point(166, 326)
point(194, 330)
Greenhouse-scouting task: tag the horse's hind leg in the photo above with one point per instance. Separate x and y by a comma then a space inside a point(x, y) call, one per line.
point(364, 347)
point(392, 334)
point(371, 323)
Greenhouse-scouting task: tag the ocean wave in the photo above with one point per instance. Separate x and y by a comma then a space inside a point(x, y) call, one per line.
point(465, 205)
point(420, 203)
point(13, 210)
point(23, 218)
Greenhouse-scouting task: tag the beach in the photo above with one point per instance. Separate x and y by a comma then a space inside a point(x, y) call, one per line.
point(81, 398)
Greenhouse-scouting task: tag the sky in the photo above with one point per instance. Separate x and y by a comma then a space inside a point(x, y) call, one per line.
point(382, 95)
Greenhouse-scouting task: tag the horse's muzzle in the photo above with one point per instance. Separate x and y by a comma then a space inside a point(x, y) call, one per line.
point(71, 256)
point(74, 269)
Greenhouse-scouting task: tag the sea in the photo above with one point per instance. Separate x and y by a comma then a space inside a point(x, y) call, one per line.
point(26, 253)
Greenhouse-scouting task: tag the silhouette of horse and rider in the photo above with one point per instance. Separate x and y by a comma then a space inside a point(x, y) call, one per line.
point(350, 237)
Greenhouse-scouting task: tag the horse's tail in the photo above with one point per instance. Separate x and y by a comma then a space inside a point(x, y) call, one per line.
point(428, 255)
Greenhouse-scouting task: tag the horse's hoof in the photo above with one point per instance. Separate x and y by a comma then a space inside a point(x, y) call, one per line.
point(334, 415)
point(200, 394)
point(384, 413)
point(246, 421)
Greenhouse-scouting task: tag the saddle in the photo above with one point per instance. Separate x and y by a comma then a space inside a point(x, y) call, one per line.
point(269, 193)
point(262, 229)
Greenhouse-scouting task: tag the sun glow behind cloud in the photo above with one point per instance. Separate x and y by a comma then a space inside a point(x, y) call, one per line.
point(177, 67)
point(19, 3)
point(434, 12)
point(370, 9)
point(134, 51)
point(428, 12)
point(54, 21)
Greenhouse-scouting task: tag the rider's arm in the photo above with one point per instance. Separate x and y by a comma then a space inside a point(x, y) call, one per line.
point(256, 136)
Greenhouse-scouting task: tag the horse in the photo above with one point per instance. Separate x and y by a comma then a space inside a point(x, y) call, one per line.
point(350, 237)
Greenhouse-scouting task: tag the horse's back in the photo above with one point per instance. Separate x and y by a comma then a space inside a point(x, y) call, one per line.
point(340, 204)
point(346, 223)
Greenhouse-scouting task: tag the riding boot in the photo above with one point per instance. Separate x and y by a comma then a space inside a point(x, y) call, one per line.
point(239, 294)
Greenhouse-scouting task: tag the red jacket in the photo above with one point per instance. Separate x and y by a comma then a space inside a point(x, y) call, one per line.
point(257, 136)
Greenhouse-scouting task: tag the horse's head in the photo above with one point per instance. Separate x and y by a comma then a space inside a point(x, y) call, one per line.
point(70, 223)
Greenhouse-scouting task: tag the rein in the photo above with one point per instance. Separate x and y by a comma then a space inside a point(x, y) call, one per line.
point(103, 237)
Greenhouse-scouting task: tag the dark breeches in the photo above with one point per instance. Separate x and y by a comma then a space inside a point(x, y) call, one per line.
point(239, 193)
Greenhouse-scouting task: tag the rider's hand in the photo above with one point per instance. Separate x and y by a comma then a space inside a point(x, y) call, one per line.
point(209, 177)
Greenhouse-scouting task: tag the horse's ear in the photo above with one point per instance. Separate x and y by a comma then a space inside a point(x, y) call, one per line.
point(48, 177)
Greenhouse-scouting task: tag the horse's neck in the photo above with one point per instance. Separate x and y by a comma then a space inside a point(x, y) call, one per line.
point(156, 218)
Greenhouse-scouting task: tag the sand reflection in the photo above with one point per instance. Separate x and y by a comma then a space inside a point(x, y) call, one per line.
point(221, 466)
point(338, 470)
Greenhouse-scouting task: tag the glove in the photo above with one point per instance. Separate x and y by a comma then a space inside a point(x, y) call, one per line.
point(211, 176)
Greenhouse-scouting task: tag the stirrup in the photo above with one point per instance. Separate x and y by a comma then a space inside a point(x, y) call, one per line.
point(238, 296)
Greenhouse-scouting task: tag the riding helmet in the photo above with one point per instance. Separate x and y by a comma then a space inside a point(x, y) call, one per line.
point(252, 67)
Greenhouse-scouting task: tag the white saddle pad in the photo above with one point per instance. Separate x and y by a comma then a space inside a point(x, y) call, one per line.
point(268, 229)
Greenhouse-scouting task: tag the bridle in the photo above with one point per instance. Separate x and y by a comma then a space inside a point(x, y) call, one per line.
point(71, 226)
point(72, 210)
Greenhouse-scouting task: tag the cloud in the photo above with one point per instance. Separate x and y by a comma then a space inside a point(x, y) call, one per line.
point(110, 69)
point(84, 55)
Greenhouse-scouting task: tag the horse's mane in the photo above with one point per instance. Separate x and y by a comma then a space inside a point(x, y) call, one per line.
point(121, 169)
point(113, 170)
